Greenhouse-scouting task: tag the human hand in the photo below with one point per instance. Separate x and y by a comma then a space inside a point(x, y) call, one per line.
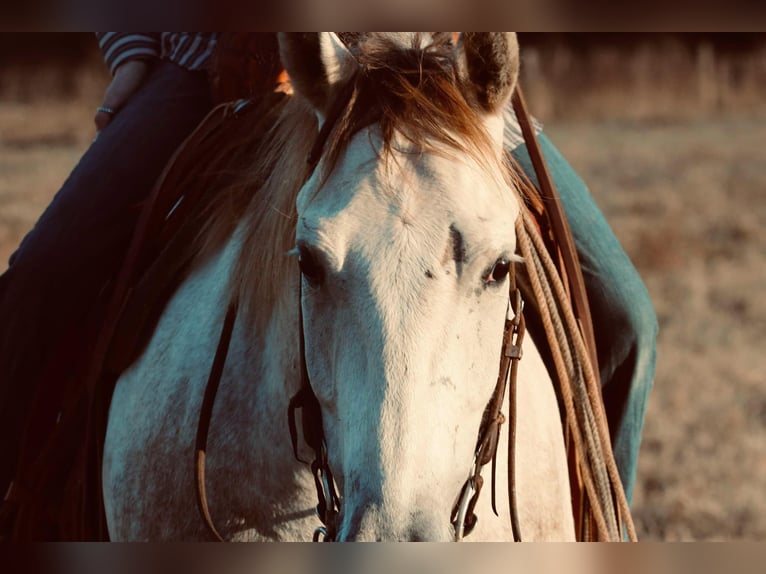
point(126, 81)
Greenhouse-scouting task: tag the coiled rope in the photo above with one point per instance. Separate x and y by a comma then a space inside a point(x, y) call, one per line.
point(580, 390)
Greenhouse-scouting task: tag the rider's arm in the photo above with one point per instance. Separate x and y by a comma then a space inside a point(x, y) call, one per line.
point(125, 54)
point(120, 47)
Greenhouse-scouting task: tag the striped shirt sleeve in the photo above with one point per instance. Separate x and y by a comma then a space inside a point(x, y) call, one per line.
point(190, 50)
point(120, 47)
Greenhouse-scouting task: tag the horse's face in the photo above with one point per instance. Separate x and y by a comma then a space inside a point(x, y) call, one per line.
point(404, 260)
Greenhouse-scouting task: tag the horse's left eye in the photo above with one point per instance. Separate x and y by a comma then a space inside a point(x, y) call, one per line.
point(498, 272)
point(310, 265)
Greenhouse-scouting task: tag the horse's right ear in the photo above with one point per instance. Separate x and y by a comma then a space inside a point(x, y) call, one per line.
point(316, 62)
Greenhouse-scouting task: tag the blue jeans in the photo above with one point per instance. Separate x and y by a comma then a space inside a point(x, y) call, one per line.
point(66, 261)
point(624, 320)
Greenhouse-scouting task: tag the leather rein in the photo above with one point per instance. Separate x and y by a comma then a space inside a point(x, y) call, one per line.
point(462, 516)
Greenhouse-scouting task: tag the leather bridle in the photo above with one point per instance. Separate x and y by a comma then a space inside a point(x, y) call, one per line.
point(463, 517)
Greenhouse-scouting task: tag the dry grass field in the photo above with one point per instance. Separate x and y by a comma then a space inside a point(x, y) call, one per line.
point(687, 198)
point(688, 202)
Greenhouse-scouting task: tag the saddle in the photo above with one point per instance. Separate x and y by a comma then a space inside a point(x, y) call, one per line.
point(246, 71)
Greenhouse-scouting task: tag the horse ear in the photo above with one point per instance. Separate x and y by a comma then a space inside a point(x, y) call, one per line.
point(488, 63)
point(316, 62)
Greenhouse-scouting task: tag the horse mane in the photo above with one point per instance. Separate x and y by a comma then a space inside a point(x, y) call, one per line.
point(412, 91)
point(260, 200)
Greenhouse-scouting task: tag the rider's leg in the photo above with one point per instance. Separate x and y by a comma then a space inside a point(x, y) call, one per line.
point(623, 316)
point(79, 241)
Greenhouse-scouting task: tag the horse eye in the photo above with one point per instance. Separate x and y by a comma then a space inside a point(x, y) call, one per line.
point(499, 271)
point(310, 266)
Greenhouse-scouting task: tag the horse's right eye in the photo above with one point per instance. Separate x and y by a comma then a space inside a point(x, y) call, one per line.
point(310, 266)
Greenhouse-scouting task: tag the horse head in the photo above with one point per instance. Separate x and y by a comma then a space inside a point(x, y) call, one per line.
point(405, 236)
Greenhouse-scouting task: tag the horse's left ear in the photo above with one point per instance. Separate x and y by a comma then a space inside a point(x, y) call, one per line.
point(316, 63)
point(488, 63)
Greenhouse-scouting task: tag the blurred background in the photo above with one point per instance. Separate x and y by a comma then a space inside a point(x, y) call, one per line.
point(668, 131)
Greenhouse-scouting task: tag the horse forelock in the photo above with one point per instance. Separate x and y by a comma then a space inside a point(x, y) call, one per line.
point(412, 90)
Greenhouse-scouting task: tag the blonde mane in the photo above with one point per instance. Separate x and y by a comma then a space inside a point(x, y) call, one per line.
point(413, 92)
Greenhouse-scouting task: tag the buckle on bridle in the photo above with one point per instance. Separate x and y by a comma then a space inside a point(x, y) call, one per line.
point(463, 517)
point(329, 503)
point(321, 534)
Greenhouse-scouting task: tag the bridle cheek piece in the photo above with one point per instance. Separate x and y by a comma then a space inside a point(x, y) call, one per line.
point(463, 517)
